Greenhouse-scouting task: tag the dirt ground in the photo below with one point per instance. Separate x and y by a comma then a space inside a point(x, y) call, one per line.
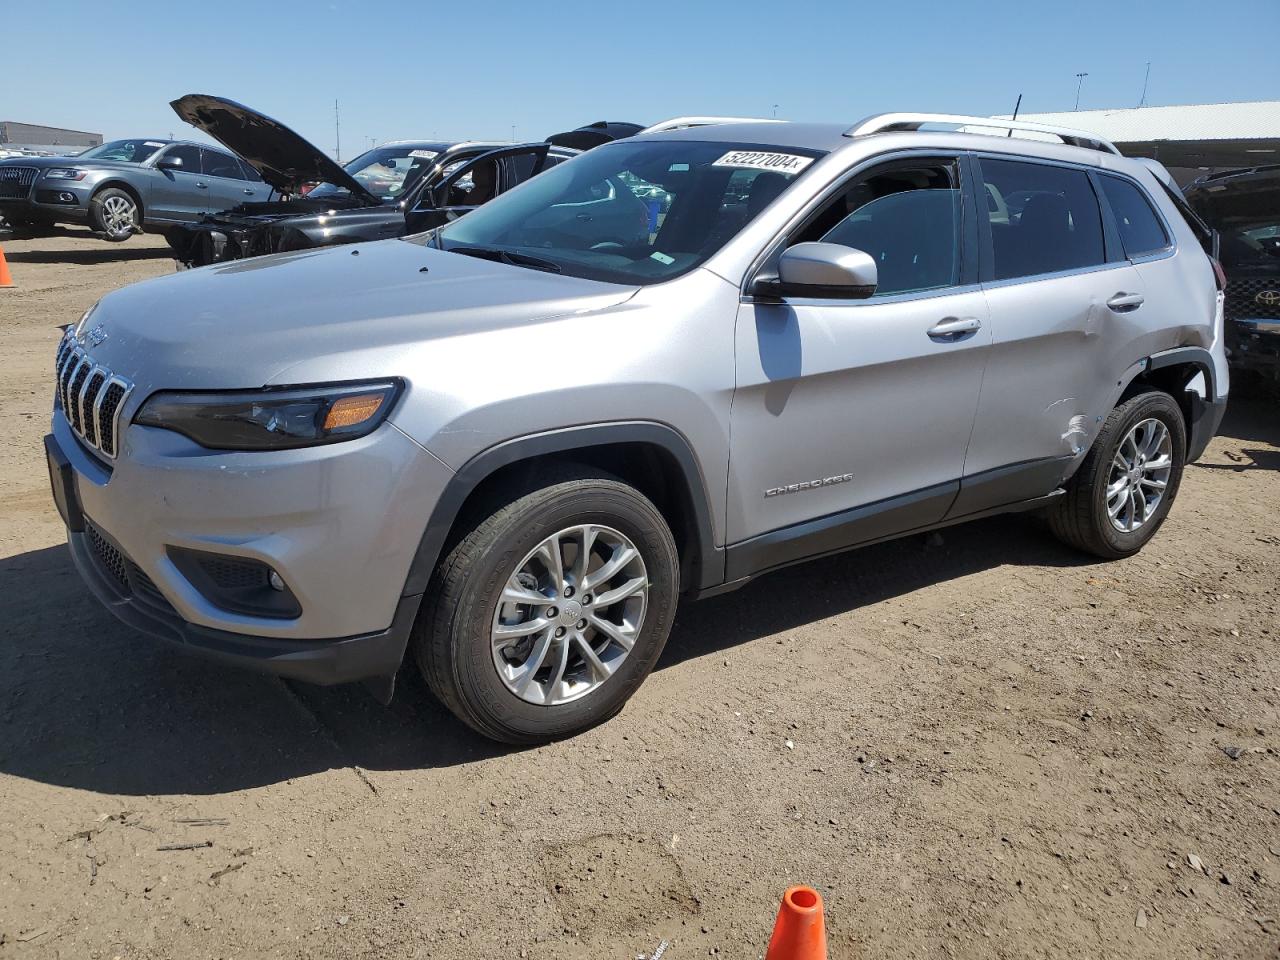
point(983, 746)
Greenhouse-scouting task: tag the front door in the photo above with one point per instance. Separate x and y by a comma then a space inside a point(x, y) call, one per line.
point(180, 194)
point(851, 417)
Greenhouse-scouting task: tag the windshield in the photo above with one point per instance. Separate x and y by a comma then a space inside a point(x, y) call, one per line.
point(386, 172)
point(633, 212)
point(129, 151)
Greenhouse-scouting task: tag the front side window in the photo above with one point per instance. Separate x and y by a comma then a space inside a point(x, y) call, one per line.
point(127, 151)
point(188, 154)
point(906, 217)
point(1141, 232)
point(633, 212)
point(1046, 218)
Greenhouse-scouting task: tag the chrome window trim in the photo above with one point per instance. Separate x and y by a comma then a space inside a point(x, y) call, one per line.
point(904, 297)
point(1055, 275)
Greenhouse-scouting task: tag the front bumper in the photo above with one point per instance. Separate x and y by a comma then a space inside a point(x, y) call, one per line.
point(340, 524)
point(1254, 344)
point(52, 202)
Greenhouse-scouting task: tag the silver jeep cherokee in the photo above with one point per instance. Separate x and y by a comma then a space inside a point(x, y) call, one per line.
point(508, 448)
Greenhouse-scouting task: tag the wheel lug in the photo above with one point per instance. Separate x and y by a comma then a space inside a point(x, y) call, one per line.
point(552, 613)
point(559, 631)
point(582, 624)
point(568, 591)
point(586, 599)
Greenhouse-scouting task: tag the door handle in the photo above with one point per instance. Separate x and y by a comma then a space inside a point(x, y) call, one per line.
point(203, 186)
point(1125, 302)
point(249, 192)
point(950, 329)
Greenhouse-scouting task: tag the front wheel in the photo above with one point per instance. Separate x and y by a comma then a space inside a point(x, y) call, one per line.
point(114, 214)
point(550, 613)
point(1124, 488)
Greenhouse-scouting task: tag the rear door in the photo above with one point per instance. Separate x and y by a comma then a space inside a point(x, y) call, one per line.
point(227, 184)
point(1065, 309)
point(181, 194)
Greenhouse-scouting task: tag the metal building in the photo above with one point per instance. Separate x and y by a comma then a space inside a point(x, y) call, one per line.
point(35, 138)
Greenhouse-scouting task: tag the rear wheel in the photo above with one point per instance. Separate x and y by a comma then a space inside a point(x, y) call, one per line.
point(549, 614)
point(115, 214)
point(1123, 491)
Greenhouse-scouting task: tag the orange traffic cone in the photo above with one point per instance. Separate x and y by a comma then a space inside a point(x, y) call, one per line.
point(799, 933)
point(6, 280)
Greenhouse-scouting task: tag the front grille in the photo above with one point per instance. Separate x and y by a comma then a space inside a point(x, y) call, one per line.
point(15, 182)
point(110, 559)
point(1253, 298)
point(90, 396)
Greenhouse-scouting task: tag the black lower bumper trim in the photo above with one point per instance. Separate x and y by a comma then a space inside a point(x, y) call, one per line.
point(341, 660)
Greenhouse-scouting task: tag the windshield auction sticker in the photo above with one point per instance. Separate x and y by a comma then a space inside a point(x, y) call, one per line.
point(758, 160)
point(424, 154)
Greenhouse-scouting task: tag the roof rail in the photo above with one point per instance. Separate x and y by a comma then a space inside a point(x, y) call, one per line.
point(682, 123)
point(886, 122)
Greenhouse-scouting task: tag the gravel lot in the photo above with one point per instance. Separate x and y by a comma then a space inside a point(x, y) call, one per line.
point(982, 745)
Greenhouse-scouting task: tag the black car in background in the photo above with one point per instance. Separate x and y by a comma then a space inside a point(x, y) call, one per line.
point(389, 191)
point(1244, 207)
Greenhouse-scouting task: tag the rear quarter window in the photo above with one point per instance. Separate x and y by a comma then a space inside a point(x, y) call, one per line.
point(1141, 231)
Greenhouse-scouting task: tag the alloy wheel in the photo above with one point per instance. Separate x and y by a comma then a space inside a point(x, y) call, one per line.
point(1139, 475)
point(569, 614)
point(118, 215)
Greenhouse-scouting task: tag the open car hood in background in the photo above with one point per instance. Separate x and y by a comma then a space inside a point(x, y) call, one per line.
point(282, 158)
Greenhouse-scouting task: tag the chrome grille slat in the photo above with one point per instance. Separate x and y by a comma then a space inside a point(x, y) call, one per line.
point(91, 397)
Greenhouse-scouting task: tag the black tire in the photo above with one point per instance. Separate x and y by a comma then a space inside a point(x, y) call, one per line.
point(451, 640)
point(108, 224)
point(1080, 517)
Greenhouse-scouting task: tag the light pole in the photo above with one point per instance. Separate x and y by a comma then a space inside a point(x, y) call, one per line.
point(775, 111)
point(1079, 83)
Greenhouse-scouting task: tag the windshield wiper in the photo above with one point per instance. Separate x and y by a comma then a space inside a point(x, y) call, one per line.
point(502, 255)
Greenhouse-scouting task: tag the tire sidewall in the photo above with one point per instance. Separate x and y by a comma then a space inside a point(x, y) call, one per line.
point(1158, 406)
point(607, 504)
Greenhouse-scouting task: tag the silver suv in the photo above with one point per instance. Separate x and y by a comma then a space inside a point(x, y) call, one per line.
point(508, 447)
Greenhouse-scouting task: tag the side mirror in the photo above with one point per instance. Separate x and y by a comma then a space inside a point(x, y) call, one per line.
point(827, 271)
point(169, 163)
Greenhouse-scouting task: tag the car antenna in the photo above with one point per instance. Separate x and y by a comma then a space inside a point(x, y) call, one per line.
point(1015, 111)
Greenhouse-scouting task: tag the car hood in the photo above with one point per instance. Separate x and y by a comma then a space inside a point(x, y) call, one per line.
point(248, 322)
point(282, 158)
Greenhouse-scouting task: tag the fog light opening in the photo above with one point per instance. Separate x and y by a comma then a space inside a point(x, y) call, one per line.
point(276, 582)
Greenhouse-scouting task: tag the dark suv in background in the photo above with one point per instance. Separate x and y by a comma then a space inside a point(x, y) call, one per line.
point(1244, 207)
point(125, 186)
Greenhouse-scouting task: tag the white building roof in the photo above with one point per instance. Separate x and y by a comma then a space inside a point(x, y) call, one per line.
point(1256, 119)
point(1191, 135)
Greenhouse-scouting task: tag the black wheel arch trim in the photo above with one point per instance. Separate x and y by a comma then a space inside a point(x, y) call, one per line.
point(1205, 413)
point(710, 560)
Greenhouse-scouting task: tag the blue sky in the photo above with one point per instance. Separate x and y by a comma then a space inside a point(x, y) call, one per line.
point(472, 70)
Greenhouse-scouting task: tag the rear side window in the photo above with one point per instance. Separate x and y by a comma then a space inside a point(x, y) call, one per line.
point(1141, 231)
point(1044, 219)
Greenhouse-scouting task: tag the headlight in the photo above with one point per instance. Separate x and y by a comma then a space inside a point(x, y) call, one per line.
point(64, 173)
point(273, 419)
